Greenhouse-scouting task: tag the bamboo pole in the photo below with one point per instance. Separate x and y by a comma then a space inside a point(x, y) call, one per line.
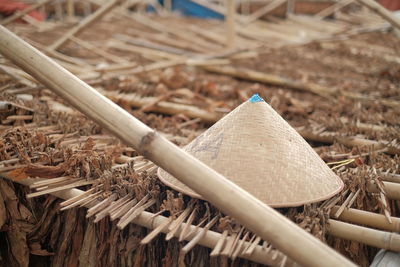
point(375, 238)
point(70, 9)
point(220, 191)
point(381, 11)
point(368, 218)
point(22, 13)
point(84, 23)
point(150, 221)
point(252, 75)
point(230, 23)
point(392, 190)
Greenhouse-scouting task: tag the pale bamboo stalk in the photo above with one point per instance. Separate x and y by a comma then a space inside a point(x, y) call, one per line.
point(165, 107)
point(82, 201)
point(392, 190)
point(390, 177)
point(250, 250)
point(177, 223)
point(101, 205)
point(230, 23)
point(235, 243)
point(122, 210)
point(229, 242)
point(79, 183)
point(155, 232)
point(264, 10)
point(333, 8)
point(199, 235)
point(220, 191)
point(123, 223)
point(50, 181)
point(74, 199)
point(344, 205)
point(220, 244)
point(375, 238)
point(104, 212)
point(22, 13)
point(70, 9)
point(368, 218)
point(97, 50)
point(381, 11)
point(239, 248)
point(84, 23)
point(189, 221)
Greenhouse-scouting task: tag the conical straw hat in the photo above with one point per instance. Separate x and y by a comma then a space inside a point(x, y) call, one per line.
point(258, 150)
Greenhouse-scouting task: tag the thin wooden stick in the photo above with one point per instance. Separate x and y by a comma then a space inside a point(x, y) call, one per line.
point(122, 210)
point(220, 244)
point(177, 223)
point(381, 11)
point(123, 223)
point(333, 8)
point(220, 191)
point(230, 23)
point(74, 199)
point(160, 228)
point(165, 107)
point(82, 201)
point(264, 10)
point(85, 23)
point(250, 250)
point(189, 222)
point(199, 235)
point(103, 213)
point(22, 13)
point(101, 205)
point(79, 183)
point(70, 9)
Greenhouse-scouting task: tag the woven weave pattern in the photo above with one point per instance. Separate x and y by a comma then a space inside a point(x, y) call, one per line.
point(258, 150)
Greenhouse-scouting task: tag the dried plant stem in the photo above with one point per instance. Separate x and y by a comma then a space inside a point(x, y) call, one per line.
point(163, 106)
point(78, 183)
point(221, 242)
point(177, 223)
point(82, 201)
point(189, 222)
point(22, 13)
point(199, 235)
point(383, 12)
point(101, 205)
point(160, 228)
point(85, 23)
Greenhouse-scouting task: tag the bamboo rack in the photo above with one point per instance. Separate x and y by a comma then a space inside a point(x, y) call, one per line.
point(152, 221)
point(225, 195)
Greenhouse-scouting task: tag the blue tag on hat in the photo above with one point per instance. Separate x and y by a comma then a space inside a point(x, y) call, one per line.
point(256, 98)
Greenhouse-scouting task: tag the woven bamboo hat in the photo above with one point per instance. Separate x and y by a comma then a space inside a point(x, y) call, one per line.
point(258, 150)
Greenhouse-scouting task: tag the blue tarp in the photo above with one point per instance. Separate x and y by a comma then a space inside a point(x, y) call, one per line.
point(189, 8)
